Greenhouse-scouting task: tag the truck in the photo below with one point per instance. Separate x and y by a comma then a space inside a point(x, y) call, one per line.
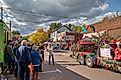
point(93, 56)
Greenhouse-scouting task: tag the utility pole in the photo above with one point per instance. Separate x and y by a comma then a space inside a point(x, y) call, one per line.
point(10, 29)
point(1, 13)
point(10, 25)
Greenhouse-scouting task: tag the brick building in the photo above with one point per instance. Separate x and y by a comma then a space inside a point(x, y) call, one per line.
point(112, 25)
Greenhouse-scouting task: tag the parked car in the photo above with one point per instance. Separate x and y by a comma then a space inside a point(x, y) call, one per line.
point(56, 47)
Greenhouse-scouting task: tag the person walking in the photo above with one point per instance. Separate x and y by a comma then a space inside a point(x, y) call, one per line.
point(23, 61)
point(50, 50)
point(36, 61)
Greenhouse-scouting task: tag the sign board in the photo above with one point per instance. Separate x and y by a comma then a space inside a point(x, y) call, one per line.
point(105, 52)
point(69, 37)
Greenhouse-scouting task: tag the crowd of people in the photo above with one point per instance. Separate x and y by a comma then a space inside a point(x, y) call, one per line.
point(21, 58)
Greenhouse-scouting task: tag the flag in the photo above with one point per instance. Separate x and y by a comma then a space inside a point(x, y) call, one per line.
point(87, 27)
point(84, 29)
point(92, 28)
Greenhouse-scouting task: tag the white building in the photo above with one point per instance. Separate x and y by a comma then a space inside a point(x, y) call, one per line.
point(53, 35)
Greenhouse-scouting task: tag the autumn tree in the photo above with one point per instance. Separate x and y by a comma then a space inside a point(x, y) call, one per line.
point(38, 37)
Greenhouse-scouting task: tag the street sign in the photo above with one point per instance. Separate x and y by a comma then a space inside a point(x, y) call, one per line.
point(69, 37)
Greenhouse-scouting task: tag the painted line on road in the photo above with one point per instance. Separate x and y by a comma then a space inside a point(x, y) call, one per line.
point(54, 71)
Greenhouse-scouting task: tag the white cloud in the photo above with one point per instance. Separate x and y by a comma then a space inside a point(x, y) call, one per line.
point(104, 6)
point(34, 0)
point(15, 29)
point(65, 11)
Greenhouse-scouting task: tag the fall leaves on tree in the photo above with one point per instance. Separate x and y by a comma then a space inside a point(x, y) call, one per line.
point(38, 37)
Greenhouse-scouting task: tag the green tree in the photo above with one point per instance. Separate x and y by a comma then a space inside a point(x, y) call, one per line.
point(24, 37)
point(54, 26)
point(99, 38)
point(15, 32)
point(77, 29)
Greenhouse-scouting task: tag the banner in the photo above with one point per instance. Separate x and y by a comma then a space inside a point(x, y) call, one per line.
point(105, 52)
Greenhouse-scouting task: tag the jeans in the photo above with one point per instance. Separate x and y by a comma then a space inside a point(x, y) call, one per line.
point(51, 55)
point(23, 71)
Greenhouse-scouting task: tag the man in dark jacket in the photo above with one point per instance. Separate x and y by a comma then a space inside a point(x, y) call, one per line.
point(9, 56)
point(24, 61)
point(16, 54)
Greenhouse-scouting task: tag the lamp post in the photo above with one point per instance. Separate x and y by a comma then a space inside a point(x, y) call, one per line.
point(1, 13)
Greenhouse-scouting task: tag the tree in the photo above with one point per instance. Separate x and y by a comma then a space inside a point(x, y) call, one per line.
point(77, 29)
point(54, 26)
point(70, 26)
point(99, 39)
point(15, 32)
point(16, 35)
point(24, 37)
point(39, 37)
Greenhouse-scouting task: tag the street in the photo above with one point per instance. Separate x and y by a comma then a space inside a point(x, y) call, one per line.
point(71, 70)
point(66, 68)
point(58, 72)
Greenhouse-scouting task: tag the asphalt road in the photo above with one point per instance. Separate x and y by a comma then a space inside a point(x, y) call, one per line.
point(66, 68)
point(58, 72)
point(70, 68)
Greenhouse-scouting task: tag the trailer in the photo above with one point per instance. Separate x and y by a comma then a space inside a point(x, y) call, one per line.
point(5, 35)
point(92, 57)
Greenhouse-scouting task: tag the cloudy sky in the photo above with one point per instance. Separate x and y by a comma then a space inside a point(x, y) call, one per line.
point(28, 15)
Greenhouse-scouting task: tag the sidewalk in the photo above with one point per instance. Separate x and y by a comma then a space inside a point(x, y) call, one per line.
point(10, 77)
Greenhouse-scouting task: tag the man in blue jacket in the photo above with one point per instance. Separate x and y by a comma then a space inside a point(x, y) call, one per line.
point(23, 61)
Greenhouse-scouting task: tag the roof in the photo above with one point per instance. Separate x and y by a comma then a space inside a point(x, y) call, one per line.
point(61, 27)
point(86, 41)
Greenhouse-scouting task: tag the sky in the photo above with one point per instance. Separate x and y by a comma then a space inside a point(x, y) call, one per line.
point(28, 15)
point(115, 5)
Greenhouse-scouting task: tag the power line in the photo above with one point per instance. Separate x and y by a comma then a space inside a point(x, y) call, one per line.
point(34, 13)
point(19, 11)
point(26, 13)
